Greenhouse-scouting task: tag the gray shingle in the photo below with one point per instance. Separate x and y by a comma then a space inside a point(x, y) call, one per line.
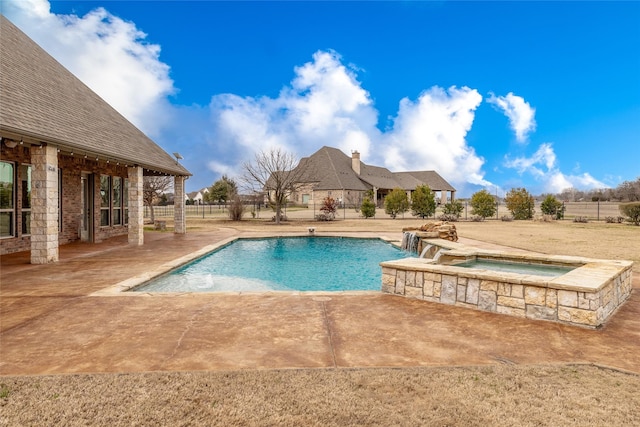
point(431, 178)
point(330, 169)
point(42, 100)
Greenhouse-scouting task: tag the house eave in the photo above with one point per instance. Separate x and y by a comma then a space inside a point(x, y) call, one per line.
point(25, 137)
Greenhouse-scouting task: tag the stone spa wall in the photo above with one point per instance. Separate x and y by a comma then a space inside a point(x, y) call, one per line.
point(586, 296)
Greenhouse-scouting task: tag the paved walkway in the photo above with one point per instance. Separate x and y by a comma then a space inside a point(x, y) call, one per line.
point(50, 323)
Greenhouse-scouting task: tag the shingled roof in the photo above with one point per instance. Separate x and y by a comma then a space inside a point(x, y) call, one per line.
point(331, 169)
point(41, 101)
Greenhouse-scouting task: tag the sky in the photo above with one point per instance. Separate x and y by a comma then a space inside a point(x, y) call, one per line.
point(491, 95)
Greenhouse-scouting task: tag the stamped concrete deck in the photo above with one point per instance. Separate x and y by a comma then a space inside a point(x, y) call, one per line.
point(50, 323)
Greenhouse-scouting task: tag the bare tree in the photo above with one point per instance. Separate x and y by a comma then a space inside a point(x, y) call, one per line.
point(277, 173)
point(152, 188)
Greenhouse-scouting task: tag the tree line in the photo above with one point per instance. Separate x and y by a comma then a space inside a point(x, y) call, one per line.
point(628, 191)
point(277, 174)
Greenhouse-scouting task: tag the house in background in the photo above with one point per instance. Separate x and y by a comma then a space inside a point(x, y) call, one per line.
point(71, 166)
point(330, 172)
point(196, 197)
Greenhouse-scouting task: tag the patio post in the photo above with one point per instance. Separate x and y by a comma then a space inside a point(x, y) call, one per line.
point(44, 204)
point(136, 206)
point(179, 217)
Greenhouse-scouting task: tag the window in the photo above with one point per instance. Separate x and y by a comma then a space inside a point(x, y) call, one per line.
point(105, 200)
point(125, 200)
point(7, 199)
point(25, 178)
point(116, 183)
point(114, 203)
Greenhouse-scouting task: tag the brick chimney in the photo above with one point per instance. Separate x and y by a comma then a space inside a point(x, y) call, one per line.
point(355, 162)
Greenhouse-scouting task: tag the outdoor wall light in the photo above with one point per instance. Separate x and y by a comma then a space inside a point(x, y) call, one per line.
point(10, 142)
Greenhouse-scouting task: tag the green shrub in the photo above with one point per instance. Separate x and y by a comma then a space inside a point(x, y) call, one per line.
point(520, 203)
point(368, 208)
point(632, 211)
point(396, 202)
point(454, 208)
point(423, 202)
point(552, 206)
point(483, 204)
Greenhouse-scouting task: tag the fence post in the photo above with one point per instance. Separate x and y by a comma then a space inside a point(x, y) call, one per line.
point(598, 209)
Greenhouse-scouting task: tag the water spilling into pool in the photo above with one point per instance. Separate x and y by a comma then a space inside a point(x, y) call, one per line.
point(283, 264)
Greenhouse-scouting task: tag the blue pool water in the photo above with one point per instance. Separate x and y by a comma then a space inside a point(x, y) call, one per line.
point(518, 267)
point(283, 264)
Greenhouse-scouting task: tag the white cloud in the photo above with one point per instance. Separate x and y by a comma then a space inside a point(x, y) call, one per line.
point(107, 53)
point(324, 104)
point(519, 112)
point(430, 134)
point(542, 166)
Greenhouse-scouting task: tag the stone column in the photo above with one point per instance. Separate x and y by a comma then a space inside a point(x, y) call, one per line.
point(179, 218)
point(136, 206)
point(44, 205)
point(443, 197)
point(453, 196)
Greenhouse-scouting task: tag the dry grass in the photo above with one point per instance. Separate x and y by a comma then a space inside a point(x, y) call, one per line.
point(497, 395)
point(594, 240)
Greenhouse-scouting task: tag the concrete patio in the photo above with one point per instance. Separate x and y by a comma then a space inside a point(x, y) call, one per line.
point(50, 323)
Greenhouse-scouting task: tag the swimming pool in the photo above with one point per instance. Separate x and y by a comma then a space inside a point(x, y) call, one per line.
point(283, 264)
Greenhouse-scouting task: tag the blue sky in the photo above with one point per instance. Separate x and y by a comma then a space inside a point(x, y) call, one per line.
point(544, 95)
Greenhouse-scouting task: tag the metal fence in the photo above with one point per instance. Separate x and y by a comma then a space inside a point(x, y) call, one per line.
point(597, 211)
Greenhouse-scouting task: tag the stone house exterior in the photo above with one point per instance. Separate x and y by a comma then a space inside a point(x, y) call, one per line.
point(71, 167)
point(330, 172)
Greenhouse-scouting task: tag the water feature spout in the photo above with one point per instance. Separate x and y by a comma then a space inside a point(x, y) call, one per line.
point(438, 254)
point(410, 241)
point(425, 250)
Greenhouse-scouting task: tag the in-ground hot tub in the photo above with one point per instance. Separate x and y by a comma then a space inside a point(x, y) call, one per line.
point(572, 290)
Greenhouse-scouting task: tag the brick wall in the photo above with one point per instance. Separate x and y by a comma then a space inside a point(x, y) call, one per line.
point(71, 168)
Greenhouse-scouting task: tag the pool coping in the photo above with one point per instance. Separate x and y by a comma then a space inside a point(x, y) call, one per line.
point(590, 274)
point(586, 296)
point(124, 287)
